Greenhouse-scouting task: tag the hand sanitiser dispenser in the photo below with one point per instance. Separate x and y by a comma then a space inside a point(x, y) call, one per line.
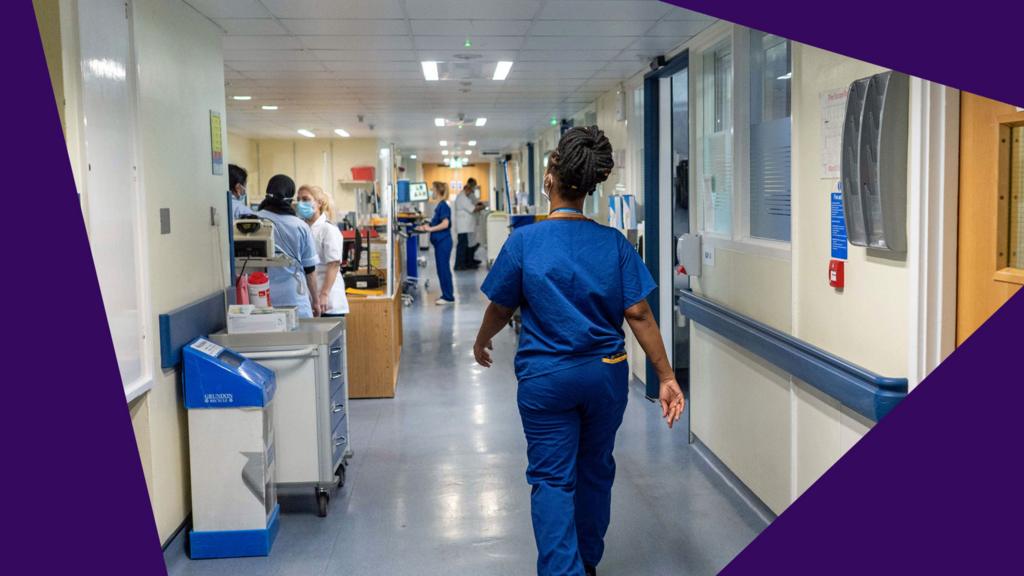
point(874, 161)
point(231, 444)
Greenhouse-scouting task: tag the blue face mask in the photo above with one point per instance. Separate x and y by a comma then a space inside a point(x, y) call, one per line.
point(305, 209)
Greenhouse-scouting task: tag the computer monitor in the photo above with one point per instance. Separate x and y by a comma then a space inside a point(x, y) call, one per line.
point(418, 192)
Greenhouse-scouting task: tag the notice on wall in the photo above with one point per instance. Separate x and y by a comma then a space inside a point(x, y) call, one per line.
point(839, 242)
point(216, 144)
point(833, 109)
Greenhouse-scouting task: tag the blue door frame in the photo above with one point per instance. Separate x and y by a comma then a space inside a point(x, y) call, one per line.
point(652, 196)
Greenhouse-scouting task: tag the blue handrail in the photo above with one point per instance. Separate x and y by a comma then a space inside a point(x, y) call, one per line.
point(862, 390)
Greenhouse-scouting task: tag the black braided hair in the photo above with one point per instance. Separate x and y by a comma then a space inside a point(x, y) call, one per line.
point(582, 160)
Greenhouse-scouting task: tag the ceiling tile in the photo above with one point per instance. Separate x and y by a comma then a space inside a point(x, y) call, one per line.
point(472, 28)
point(678, 13)
point(251, 26)
point(291, 55)
point(229, 8)
point(579, 42)
point(660, 45)
point(322, 27)
point(679, 28)
point(338, 9)
point(479, 43)
point(623, 10)
point(590, 28)
point(356, 42)
point(249, 65)
point(566, 55)
point(365, 55)
point(261, 43)
point(472, 9)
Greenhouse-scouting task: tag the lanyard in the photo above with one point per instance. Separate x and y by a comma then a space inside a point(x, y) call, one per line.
point(567, 209)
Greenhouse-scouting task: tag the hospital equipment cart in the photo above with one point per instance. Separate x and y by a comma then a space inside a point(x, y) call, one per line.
point(311, 413)
point(497, 233)
point(230, 404)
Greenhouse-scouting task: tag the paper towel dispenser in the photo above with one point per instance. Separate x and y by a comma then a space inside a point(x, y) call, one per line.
point(874, 161)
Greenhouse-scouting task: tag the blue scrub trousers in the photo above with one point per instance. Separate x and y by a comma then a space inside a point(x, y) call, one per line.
point(570, 418)
point(442, 261)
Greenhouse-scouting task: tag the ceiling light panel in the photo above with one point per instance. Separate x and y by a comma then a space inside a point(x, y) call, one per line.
point(502, 69)
point(430, 70)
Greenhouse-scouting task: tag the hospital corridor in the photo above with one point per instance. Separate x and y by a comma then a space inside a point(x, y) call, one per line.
point(554, 287)
point(436, 484)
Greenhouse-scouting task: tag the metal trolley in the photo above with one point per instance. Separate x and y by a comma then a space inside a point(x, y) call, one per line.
point(311, 412)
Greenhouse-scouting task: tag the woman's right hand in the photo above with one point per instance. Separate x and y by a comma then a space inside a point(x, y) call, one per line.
point(672, 401)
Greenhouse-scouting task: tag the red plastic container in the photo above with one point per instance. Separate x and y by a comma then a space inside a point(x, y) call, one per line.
point(363, 173)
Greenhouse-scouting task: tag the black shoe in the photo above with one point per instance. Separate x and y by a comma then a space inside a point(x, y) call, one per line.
point(590, 570)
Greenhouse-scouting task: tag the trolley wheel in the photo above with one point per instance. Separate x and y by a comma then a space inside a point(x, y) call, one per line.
point(341, 476)
point(322, 498)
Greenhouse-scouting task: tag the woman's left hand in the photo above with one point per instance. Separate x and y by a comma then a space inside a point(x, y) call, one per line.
point(482, 353)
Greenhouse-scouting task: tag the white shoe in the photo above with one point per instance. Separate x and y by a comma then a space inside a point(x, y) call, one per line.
point(443, 302)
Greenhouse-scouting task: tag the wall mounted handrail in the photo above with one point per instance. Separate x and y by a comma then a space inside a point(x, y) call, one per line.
point(867, 393)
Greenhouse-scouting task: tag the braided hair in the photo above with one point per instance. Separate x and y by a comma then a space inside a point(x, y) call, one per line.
point(582, 160)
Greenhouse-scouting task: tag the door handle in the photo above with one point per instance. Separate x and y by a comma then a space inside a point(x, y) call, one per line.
point(335, 408)
point(335, 375)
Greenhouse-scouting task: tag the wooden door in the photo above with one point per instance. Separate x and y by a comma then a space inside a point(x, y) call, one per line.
point(990, 251)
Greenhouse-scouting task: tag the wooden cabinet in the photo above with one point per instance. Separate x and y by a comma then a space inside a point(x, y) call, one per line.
point(374, 345)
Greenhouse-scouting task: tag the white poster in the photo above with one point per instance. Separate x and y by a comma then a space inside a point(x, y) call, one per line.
point(833, 108)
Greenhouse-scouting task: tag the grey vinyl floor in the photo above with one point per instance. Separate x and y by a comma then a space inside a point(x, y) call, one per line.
point(437, 486)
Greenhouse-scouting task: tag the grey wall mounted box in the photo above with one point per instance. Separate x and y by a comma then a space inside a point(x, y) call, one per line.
point(874, 161)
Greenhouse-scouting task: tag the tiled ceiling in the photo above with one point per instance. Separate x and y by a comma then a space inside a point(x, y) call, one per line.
point(325, 63)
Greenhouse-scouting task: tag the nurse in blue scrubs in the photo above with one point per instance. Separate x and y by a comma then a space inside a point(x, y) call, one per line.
point(575, 282)
point(295, 284)
point(440, 229)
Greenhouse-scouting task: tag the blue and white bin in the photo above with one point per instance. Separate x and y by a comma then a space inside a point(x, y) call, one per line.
point(231, 442)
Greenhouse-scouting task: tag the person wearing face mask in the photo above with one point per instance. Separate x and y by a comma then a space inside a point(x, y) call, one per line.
point(315, 207)
point(294, 284)
point(575, 282)
point(237, 177)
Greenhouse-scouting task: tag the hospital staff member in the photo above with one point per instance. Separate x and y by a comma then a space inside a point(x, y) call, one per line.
point(294, 284)
point(466, 207)
point(441, 238)
point(237, 177)
point(575, 281)
point(316, 208)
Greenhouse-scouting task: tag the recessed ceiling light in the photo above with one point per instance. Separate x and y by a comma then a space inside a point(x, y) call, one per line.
point(269, 107)
point(241, 97)
point(439, 122)
point(306, 133)
point(443, 142)
point(468, 152)
point(412, 156)
point(502, 70)
point(481, 121)
point(430, 70)
point(342, 132)
point(472, 142)
point(444, 152)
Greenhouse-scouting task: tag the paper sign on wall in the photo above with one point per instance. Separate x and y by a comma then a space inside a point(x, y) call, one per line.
point(840, 248)
point(216, 144)
point(833, 110)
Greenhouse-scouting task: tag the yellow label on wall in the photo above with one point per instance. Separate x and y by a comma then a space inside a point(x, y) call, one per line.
point(216, 144)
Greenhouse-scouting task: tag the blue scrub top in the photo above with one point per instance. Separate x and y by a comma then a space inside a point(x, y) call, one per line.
point(293, 237)
point(238, 208)
point(441, 213)
point(573, 280)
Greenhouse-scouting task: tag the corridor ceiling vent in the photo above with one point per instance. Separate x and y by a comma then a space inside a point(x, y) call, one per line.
point(458, 122)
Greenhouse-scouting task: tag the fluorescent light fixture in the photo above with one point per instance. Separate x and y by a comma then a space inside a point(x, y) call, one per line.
point(447, 161)
point(444, 152)
point(342, 132)
point(439, 122)
point(502, 70)
point(785, 76)
point(468, 152)
point(472, 142)
point(269, 107)
point(443, 143)
point(430, 70)
point(306, 133)
point(481, 121)
point(412, 156)
point(242, 98)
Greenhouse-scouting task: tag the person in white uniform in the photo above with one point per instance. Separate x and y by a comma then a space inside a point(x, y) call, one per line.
point(466, 207)
point(293, 237)
point(316, 208)
point(237, 177)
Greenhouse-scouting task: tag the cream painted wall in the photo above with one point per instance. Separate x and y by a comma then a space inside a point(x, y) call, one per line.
point(865, 323)
point(241, 151)
point(181, 79)
point(48, 20)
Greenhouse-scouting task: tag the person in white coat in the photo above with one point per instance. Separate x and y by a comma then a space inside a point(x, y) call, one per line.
point(466, 207)
point(316, 208)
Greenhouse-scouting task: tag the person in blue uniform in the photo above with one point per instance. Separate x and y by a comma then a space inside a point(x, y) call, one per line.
point(294, 284)
point(440, 229)
point(237, 177)
point(575, 282)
